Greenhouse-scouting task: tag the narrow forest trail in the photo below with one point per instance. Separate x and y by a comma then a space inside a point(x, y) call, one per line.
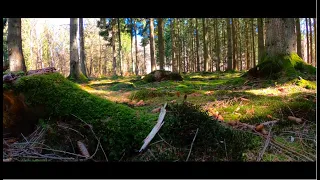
point(229, 98)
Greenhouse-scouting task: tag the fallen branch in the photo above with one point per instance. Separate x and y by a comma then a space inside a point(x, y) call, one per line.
point(192, 144)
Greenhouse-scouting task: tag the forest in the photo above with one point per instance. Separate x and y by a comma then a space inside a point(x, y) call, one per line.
point(159, 89)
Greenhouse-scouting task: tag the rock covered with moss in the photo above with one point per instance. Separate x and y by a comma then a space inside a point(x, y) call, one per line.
point(162, 75)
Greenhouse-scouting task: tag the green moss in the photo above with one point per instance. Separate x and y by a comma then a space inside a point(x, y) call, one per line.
point(124, 85)
point(81, 79)
point(62, 97)
point(145, 94)
point(182, 120)
point(281, 65)
point(305, 84)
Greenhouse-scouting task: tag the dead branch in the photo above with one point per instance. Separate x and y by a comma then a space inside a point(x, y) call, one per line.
point(192, 144)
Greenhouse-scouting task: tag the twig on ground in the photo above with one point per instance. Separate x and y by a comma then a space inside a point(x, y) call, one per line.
point(152, 154)
point(292, 151)
point(266, 145)
point(166, 141)
point(71, 129)
point(225, 147)
point(192, 144)
point(122, 156)
point(93, 134)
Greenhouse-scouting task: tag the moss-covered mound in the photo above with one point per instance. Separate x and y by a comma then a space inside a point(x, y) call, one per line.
point(283, 65)
point(122, 85)
point(119, 127)
point(213, 140)
point(162, 75)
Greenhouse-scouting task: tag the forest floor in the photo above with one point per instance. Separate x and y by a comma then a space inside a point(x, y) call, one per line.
point(281, 113)
point(230, 97)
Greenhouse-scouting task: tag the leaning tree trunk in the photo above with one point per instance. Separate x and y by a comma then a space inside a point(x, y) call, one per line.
point(74, 56)
point(280, 37)
point(16, 58)
point(82, 52)
point(152, 47)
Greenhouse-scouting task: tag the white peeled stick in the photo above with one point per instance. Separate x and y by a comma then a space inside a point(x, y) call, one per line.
point(155, 129)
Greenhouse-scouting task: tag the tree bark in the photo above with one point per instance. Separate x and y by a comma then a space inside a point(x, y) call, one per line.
point(131, 35)
point(114, 53)
point(173, 40)
point(307, 36)
point(260, 39)
point(152, 45)
point(247, 46)
point(315, 40)
point(298, 30)
point(120, 48)
point(229, 53)
point(311, 54)
point(74, 56)
point(280, 36)
point(205, 48)
point(218, 46)
point(16, 58)
point(136, 42)
point(82, 51)
point(253, 45)
point(161, 43)
point(234, 61)
point(197, 46)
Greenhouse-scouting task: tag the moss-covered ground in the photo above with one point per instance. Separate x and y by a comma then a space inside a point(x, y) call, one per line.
point(110, 105)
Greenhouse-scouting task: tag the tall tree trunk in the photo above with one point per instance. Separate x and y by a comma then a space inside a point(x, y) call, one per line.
point(16, 58)
point(253, 45)
point(173, 40)
point(136, 42)
point(315, 40)
point(82, 51)
point(197, 46)
point(298, 30)
point(240, 47)
point(114, 53)
point(74, 56)
point(307, 36)
point(152, 45)
point(234, 61)
point(120, 48)
point(280, 36)
point(205, 48)
point(247, 46)
point(311, 54)
point(161, 43)
point(131, 35)
point(144, 60)
point(218, 46)
point(260, 39)
point(229, 54)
